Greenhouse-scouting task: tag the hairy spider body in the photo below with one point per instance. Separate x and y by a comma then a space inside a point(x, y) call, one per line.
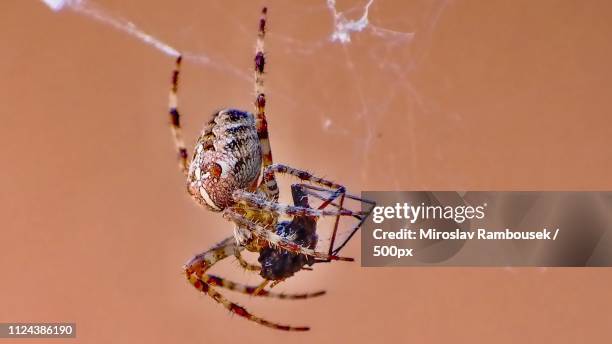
point(227, 157)
point(231, 171)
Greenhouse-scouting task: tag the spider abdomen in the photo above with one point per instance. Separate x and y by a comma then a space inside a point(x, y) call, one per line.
point(227, 158)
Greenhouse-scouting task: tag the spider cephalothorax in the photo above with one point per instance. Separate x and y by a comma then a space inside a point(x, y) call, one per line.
point(231, 171)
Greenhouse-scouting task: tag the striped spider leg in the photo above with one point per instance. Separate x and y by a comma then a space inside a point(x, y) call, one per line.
point(302, 228)
point(230, 155)
point(315, 191)
point(223, 175)
point(333, 190)
point(195, 271)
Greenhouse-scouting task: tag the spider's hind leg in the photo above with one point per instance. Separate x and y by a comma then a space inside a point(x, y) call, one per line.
point(175, 122)
point(270, 188)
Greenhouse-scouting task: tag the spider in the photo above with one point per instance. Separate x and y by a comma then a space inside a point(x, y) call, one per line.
point(223, 175)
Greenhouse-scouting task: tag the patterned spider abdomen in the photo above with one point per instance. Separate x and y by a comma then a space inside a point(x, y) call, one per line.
point(227, 157)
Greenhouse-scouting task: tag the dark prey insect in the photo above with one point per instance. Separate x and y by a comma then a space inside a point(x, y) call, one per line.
point(223, 175)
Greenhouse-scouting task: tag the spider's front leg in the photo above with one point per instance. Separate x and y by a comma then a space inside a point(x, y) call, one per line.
point(315, 191)
point(262, 203)
point(195, 271)
point(334, 190)
point(275, 239)
point(246, 265)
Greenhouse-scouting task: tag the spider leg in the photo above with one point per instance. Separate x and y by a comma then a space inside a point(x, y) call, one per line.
point(246, 265)
point(250, 290)
point(302, 189)
point(197, 266)
point(270, 188)
point(262, 203)
point(361, 217)
point(339, 191)
point(301, 174)
point(175, 118)
point(261, 287)
point(311, 190)
point(275, 239)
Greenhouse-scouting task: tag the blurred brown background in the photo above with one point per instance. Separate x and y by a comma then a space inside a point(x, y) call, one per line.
point(487, 95)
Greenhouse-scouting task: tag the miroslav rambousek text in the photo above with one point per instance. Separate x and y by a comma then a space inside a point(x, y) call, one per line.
point(457, 234)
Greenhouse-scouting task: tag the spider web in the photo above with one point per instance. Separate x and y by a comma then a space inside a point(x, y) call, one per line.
point(353, 50)
point(370, 45)
point(354, 31)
